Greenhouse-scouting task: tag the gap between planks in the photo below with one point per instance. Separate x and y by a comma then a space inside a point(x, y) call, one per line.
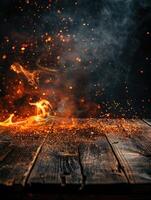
point(33, 162)
point(148, 122)
point(83, 177)
point(128, 167)
point(123, 166)
point(80, 163)
point(120, 165)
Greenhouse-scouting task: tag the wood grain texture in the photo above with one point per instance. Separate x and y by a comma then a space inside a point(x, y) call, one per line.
point(133, 151)
point(57, 164)
point(17, 152)
point(78, 157)
point(100, 165)
point(5, 149)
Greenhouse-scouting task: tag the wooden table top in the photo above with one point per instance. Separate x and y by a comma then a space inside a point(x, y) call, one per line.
point(104, 155)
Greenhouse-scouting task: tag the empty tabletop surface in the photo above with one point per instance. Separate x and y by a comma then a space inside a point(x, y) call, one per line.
point(78, 154)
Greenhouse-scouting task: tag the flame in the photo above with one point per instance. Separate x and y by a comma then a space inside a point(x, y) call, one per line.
point(32, 77)
point(8, 121)
point(43, 114)
point(43, 108)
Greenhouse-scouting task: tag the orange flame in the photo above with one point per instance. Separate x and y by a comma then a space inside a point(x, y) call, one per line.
point(43, 114)
point(8, 121)
point(43, 108)
point(32, 77)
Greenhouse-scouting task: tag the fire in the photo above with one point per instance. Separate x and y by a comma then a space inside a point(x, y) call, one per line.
point(43, 108)
point(43, 114)
point(8, 121)
point(32, 77)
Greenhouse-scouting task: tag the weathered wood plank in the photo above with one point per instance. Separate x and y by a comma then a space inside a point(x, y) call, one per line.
point(133, 151)
point(99, 163)
point(77, 156)
point(58, 162)
point(5, 149)
point(17, 156)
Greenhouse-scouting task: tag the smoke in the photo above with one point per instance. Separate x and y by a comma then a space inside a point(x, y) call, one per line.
point(100, 41)
point(99, 61)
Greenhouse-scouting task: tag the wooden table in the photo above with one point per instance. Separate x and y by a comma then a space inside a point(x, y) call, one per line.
point(78, 161)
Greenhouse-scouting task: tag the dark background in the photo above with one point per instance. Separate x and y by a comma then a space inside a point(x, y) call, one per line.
point(115, 70)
